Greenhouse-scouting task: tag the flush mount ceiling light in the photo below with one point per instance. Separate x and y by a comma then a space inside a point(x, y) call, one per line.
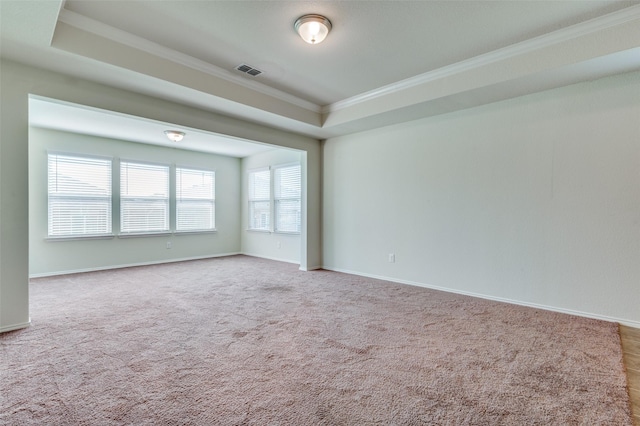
point(174, 135)
point(313, 28)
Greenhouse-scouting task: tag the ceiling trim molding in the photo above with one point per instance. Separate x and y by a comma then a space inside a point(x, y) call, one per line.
point(103, 30)
point(528, 46)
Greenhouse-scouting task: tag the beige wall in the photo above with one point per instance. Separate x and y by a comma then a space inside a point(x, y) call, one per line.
point(534, 200)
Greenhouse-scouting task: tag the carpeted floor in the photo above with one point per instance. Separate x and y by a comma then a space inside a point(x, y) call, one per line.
point(246, 341)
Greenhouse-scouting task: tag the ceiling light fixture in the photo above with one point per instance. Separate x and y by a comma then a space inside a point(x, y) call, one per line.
point(174, 135)
point(313, 28)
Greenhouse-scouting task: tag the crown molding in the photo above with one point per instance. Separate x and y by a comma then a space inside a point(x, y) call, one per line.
point(528, 46)
point(103, 30)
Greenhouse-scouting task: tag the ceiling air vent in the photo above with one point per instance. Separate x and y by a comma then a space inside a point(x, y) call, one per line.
point(254, 72)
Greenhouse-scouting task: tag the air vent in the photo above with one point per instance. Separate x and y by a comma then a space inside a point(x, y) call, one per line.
point(254, 72)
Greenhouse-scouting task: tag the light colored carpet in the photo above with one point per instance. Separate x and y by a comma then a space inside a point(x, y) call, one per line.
point(245, 341)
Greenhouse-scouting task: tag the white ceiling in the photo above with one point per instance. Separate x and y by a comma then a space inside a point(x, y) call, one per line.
point(384, 62)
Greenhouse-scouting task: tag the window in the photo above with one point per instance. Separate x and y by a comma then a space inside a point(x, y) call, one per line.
point(80, 198)
point(260, 199)
point(144, 197)
point(195, 199)
point(287, 189)
point(79, 190)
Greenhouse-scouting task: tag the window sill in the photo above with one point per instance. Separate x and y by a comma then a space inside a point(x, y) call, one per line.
point(129, 235)
point(287, 232)
point(144, 234)
point(196, 232)
point(261, 231)
point(79, 238)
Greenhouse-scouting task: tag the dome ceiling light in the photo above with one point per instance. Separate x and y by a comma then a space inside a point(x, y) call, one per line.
point(313, 28)
point(174, 135)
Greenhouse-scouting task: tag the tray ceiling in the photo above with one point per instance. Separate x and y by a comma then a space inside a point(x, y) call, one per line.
point(384, 62)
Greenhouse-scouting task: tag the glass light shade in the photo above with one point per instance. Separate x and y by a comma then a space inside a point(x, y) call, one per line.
point(174, 135)
point(313, 28)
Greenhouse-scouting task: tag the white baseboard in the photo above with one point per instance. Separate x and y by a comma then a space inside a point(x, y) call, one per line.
point(310, 268)
point(271, 258)
point(129, 265)
point(629, 323)
point(13, 327)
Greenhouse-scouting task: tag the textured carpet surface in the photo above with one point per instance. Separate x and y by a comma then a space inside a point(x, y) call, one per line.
point(245, 341)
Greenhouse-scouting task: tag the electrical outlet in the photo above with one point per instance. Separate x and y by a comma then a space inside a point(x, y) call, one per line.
point(392, 258)
point(168, 245)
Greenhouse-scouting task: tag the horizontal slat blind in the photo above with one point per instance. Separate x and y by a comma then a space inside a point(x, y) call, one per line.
point(260, 185)
point(144, 197)
point(260, 199)
point(79, 194)
point(287, 189)
point(195, 199)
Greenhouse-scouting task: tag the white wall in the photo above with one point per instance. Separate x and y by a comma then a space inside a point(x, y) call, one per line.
point(271, 245)
point(18, 81)
point(54, 257)
point(534, 200)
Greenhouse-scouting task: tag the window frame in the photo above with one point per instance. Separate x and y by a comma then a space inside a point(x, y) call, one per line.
point(108, 234)
point(114, 201)
point(123, 198)
point(278, 198)
point(251, 201)
point(178, 199)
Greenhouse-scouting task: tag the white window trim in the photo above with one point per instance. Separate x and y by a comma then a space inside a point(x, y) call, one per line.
point(116, 200)
point(195, 232)
point(78, 237)
point(168, 231)
point(275, 200)
point(144, 234)
point(81, 237)
point(269, 200)
point(175, 194)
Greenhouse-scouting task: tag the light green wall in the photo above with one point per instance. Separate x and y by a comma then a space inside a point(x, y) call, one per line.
point(17, 81)
point(14, 224)
point(284, 247)
point(534, 200)
point(51, 257)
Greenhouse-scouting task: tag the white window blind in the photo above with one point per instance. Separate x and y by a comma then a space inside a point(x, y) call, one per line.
point(79, 192)
point(260, 199)
point(195, 199)
point(144, 197)
point(287, 193)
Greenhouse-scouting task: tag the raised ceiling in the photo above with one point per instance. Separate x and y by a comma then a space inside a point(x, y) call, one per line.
point(384, 62)
point(372, 44)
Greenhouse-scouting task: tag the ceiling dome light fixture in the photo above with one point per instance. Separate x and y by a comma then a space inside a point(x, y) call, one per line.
point(313, 28)
point(174, 135)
